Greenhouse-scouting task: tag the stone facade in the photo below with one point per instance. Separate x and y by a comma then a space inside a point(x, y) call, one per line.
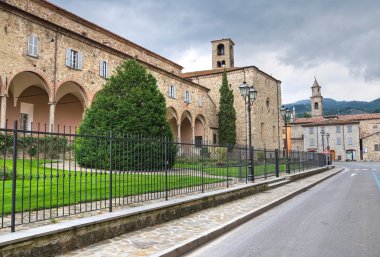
point(343, 141)
point(371, 147)
point(266, 120)
point(74, 57)
point(356, 143)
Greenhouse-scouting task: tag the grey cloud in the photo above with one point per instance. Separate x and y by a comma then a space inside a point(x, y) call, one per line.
point(307, 33)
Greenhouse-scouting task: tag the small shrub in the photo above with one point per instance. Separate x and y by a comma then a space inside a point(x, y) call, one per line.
point(221, 156)
point(6, 173)
point(205, 153)
point(260, 156)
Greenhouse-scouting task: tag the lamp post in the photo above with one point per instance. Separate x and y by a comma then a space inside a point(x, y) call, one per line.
point(249, 94)
point(328, 149)
point(285, 113)
point(323, 143)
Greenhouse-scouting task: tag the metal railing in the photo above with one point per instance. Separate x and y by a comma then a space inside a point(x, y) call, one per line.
point(50, 175)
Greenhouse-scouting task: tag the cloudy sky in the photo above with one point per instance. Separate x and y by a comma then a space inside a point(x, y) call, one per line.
point(338, 41)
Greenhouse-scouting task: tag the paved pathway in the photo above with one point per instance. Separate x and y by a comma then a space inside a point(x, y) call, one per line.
point(153, 240)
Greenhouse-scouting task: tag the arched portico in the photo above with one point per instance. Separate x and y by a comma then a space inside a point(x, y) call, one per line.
point(199, 129)
point(26, 100)
point(172, 116)
point(68, 108)
point(186, 128)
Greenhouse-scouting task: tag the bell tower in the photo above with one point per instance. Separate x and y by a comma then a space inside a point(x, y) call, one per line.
point(316, 100)
point(222, 53)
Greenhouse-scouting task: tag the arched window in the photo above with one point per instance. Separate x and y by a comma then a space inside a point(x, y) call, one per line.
point(223, 63)
point(219, 64)
point(316, 106)
point(267, 102)
point(220, 49)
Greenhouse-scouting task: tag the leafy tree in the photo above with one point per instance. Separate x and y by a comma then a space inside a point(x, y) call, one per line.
point(227, 114)
point(134, 109)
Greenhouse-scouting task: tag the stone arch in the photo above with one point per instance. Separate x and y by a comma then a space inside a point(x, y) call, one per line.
point(172, 116)
point(70, 102)
point(74, 88)
point(200, 129)
point(186, 127)
point(28, 100)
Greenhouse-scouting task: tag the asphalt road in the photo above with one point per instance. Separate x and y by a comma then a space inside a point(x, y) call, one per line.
point(339, 217)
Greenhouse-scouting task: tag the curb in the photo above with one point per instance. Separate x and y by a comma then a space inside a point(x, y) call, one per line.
point(203, 238)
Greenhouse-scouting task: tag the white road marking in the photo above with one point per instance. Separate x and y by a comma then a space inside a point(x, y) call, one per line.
point(353, 174)
point(373, 169)
point(364, 169)
point(356, 169)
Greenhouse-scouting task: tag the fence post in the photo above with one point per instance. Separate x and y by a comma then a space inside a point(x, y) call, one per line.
point(227, 163)
point(110, 189)
point(276, 163)
point(265, 163)
point(202, 167)
point(299, 159)
point(14, 174)
point(166, 169)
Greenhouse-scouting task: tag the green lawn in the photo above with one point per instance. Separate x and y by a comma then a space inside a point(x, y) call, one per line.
point(68, 187)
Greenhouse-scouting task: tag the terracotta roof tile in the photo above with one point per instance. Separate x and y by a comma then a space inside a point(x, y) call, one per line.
point(339, 118)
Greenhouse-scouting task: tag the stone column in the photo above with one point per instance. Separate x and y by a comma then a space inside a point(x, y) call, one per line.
point(179, 133)
point(51, 116)
point(193, 134)
point(3, 117)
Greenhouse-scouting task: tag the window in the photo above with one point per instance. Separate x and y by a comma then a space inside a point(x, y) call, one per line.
point(24, 121)
point(220, 49)
point(337, 129)
point(198, 141)
point(223, 63)
point(74, 59)
point(33, 46)
point(349, 128)
point(316, 106)
point(377, 147)
point(214, 139)
point(200, 101)
point(219, 64)
point(267, 102)
point(103, 69)
point(186, 97)
point(312, 142)
point(311, 130)
point(262, 131)
point(338, 141)
point(349, 140)
point(172, 92)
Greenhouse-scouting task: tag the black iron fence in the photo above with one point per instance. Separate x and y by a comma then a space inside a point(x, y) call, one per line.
point(50, 175)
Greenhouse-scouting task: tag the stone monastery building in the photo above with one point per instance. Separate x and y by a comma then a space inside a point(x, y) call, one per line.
point(53, 63)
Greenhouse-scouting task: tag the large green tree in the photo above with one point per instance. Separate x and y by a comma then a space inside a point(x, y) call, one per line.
point(133, 108)
point(227, 114)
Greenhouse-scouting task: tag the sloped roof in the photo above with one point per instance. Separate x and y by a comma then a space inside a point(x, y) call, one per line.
point(351, 118)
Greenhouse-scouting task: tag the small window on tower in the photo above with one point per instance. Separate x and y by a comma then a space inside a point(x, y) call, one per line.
point(316, 106)
point(223, 63)
point(219, 64)
point(220, 49)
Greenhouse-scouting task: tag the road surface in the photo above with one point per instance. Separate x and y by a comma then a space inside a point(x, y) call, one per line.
point(339, 217)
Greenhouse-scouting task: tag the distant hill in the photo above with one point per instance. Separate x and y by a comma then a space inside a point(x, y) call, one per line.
point(333, 107)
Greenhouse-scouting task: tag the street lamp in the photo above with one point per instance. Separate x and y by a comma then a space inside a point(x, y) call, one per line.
point(285, 113)
point(328, 148)
point(323, 143)
point(249, 94)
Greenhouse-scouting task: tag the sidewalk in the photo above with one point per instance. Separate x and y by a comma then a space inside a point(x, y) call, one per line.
point(178, 236)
